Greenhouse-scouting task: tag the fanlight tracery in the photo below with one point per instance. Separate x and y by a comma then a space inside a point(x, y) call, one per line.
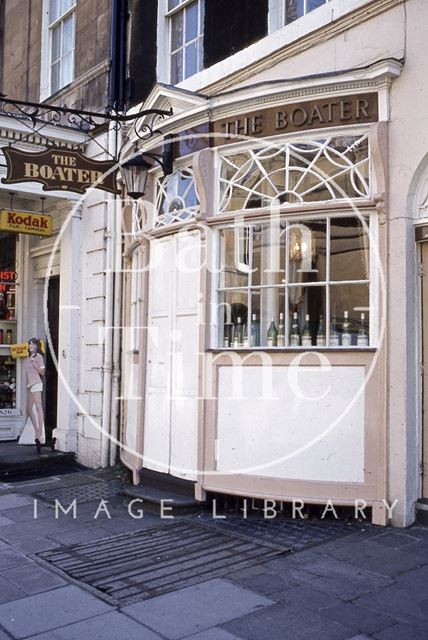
point(335, 168)
point(177, 199)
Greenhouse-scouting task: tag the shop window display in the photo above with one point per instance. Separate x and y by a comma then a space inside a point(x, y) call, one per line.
point(299, 283)
point(7, 320)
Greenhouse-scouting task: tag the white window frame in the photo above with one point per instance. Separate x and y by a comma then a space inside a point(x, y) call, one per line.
point(46, 48)
point(277, 13)
point(164, 38)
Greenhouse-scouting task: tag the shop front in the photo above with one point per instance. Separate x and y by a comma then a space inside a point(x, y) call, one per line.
point(254, 351)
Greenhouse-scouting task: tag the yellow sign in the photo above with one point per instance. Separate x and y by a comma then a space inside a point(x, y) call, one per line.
point(37, 224)
point(21, 350)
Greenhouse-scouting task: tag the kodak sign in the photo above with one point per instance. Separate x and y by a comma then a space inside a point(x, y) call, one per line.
point(59, 170)
point(37, 224)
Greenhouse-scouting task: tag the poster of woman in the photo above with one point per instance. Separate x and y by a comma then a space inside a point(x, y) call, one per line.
point(34, 429)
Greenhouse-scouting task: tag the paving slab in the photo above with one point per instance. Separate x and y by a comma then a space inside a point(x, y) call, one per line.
point(214, 634)
point(108, 626)
point(4, 521)
point(287, 622)
point(403, 632)
point(13, 500)
point(9, 592)
point(306, 597)
point(35, 545)
point(83, 534)
point(359, 618)
point(11, 558)
point(173, 615)
point(405, 606)
point(41, 613)
point(33, 579)
point(383, 560)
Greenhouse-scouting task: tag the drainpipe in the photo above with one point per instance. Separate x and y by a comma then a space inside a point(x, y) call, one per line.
point(117, 321)
point(108, 326)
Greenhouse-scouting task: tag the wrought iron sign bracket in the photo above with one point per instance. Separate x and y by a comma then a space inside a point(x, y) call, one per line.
point(41, 115)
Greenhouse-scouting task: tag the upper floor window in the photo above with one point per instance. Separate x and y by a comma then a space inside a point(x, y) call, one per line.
point(61, 25)
point(186, 28)
point(294, 9)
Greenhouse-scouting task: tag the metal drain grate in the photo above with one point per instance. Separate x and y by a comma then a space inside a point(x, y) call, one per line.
point(83, 492)
point(296, 535)
point(145, 564)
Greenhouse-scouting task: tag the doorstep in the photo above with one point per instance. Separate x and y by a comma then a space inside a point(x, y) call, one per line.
point(23, 460)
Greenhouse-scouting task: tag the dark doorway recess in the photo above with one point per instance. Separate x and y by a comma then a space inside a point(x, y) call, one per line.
point(51, 394)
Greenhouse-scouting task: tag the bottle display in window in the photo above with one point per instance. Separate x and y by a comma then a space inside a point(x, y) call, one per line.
point(306, 332)
point(363, 336)
point(294, 331)
point(317, 268)
point(321, 338)
point(346, 330)
point(281, 331)
point(334, 334)
point(255, 331)
point(272, 334)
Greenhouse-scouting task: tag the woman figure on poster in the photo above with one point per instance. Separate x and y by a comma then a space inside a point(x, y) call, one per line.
point(35, 368)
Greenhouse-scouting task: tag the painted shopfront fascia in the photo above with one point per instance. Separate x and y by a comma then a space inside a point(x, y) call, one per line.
point(365, 478)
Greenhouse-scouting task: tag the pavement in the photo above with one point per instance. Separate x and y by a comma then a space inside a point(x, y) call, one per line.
point(367, 582)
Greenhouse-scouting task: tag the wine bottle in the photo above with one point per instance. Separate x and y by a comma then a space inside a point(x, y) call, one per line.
point(281, 331)
point(334, 334)
point(245, 336)
point(294, 331)
point(227, 334)
point(363, 338)
point(272, 335)
point(238, 334)
point(321, 333)
point(346, 331)
point(306, 332)
point(255, 331)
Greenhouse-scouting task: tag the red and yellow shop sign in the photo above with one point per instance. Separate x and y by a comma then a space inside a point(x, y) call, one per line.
point(21, 350)
point(38, 224)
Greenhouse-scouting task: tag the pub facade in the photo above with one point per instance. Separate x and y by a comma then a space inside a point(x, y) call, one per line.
point(272, 329)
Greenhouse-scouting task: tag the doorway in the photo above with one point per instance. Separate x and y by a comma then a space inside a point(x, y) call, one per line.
point(51, 395)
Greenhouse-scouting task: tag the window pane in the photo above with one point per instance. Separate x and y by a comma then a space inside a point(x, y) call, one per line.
point(313, 4)
point(293, 10)
point(191, 60)
point(66, 5)
point(307, 251)
point(67, 35)
point(353, 299)
point(172, 4)
point(234, 255)
point(67, 69)
point(177, 31)
point(56, 43)
point(191, 20)
point(55, 77)
point(349, 250)
point(177, 67)
point(268, 255)
point(54, 10)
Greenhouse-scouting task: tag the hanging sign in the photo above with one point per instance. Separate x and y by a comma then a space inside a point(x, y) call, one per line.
point(37, 224)
point(58, 170)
